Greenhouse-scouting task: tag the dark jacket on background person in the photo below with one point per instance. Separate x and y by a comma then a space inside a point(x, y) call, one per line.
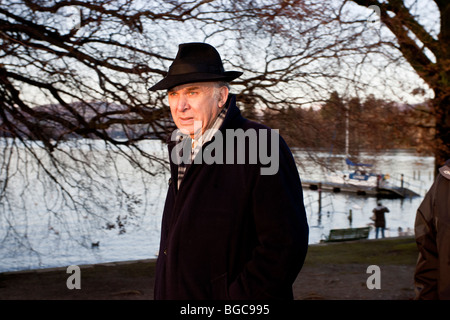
point(432, 232)
point(380, 219)
point(230, 232)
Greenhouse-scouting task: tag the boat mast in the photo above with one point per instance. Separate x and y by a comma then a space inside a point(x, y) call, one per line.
point(346, 130)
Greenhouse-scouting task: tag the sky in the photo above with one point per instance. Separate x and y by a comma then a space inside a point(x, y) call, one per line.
point(396, 81)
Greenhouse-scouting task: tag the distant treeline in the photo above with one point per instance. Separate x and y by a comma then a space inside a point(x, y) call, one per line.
point(373, 125)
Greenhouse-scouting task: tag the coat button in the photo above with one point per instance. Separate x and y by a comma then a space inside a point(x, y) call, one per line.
point(165, 252)
point(170, 181)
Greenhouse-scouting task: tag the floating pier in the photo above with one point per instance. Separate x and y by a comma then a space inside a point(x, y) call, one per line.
point(380, 192)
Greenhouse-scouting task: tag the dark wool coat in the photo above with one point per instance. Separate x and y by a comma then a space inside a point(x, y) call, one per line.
point(230, 232)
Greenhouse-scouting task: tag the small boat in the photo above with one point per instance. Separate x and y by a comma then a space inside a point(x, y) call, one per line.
point(359, 177)
point(360, 182)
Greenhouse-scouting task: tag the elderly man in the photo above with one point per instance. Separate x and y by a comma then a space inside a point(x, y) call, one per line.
point(232, 228)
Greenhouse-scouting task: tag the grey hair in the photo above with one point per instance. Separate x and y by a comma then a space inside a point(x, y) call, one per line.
point(221, 84)
point(218, 85)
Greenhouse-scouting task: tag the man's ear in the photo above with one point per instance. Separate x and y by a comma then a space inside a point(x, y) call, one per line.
point(223, 96)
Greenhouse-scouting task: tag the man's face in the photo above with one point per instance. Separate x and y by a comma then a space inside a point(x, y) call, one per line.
point(192, 102)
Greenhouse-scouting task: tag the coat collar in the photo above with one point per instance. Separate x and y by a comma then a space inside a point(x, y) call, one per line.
point(233, 114)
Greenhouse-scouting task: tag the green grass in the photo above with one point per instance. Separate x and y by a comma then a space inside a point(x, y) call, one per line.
point(389, 251)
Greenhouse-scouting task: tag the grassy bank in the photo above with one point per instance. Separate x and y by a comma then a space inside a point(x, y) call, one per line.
point(388, 251)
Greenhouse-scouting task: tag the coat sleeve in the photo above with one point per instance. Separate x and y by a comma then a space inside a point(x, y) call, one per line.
point(282, 234)
point(426, 273)
point(432, 228)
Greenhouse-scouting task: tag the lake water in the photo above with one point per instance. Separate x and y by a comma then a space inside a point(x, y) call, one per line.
point(340, 210)
point(41, 226)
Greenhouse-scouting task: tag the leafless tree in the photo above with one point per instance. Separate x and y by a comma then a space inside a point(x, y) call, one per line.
point(74, 76)
point(80, 69)
point(419, 33)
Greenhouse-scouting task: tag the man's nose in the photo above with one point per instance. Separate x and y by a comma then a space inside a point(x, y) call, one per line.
point(182, 103)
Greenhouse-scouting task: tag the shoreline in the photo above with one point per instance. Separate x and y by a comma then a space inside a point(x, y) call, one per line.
point(153, 260)
point(332, 271)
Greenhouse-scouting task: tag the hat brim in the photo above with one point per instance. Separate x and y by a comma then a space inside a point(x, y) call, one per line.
point(171, 81)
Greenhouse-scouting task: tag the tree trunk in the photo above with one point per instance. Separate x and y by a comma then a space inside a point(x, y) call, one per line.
point(441, 101)
point(441, 105)
point(436, 74)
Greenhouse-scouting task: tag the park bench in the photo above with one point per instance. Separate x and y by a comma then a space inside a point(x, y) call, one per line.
point(348, 234)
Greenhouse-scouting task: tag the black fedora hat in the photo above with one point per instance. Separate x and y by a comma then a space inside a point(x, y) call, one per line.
point(195, 62)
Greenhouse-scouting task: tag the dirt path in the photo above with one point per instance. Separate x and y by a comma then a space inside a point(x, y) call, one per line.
point(349, 282)
point(134, 281)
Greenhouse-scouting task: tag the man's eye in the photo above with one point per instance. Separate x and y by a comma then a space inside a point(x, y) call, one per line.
point(192, 93)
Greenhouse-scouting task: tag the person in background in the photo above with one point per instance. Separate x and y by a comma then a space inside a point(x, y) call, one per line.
point(432, 233)
point(380, 219)
point(228, 230)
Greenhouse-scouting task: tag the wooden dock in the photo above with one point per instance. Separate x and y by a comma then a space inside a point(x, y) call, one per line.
point(384, 192)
